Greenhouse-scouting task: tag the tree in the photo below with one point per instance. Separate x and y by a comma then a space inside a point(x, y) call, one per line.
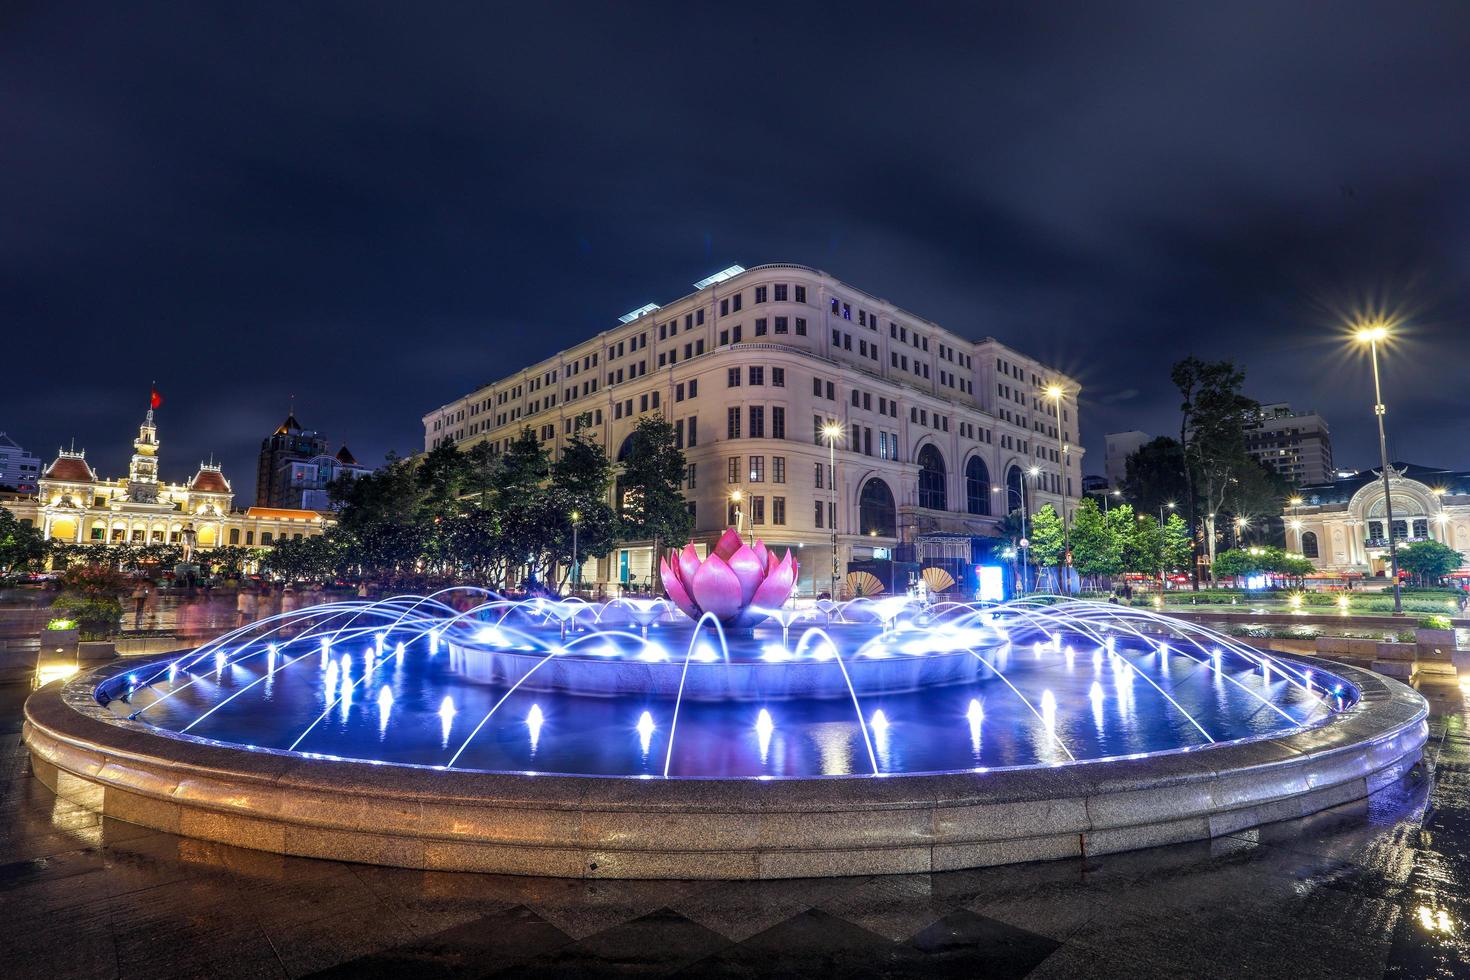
point(1255, 493)
point(1046, 537)
point(1139, 537)
point(528, 523)
point(1428, 560)
point(21, 546)
point(1212, 429)
point(1178, 543)
point(1156, 476)
point(651, 488)
point(580, 481)
point(1097, 549)
point(1012, 528)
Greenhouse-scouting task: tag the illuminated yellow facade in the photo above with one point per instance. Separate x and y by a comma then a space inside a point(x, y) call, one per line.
point(75, 506)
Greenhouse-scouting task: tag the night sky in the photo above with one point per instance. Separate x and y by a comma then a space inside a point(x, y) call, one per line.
point(377, 207)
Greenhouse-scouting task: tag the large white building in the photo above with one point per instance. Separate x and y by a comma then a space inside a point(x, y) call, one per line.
point(1343, 526)
point(942, 435)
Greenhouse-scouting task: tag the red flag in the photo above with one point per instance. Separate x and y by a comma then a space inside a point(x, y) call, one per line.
point(155, 400)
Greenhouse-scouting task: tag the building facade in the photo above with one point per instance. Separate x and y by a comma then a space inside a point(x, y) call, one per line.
point(1118, 447)
point(19, 470)
point(73, 505)
point(295, 466)
point(1343, 527)
point(1296, 445)
point(941, 435)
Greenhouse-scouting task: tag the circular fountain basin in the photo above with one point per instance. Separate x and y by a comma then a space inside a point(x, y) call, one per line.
point(897, 750)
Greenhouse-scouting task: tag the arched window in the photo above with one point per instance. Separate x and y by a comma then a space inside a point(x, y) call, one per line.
point(1309, 544)
point(876, 513)
point(977, 486)
point(625, 448)
point(1015, 490)
point(932, 479)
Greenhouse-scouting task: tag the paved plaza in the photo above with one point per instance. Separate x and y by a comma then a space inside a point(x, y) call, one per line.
point(1375, 889)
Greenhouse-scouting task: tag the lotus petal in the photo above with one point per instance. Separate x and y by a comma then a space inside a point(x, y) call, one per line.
point(748, 569)
point(776, 588)
point(680, 596)
point(760, 552)
point(716, 590)
point(688, 564)
point(772, 560)
point(728, 544)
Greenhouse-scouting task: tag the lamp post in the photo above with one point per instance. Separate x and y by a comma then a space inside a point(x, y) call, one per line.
point(735, 497)
point(1055, 392)
point(1110, 493)
point(832, 431)
point(1035, 472)
point(1373, 335)
point(1163, 572)
point(576, 569)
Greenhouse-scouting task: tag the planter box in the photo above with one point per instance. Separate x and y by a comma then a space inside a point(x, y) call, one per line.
point(96, 651)
point(63, 640)
point(1435, 645)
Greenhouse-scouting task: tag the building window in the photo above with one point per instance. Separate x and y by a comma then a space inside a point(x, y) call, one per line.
point(757, 510)
point(876, 511)
point(757, 375)
point(977, 487)
point(757, 421)
point(778, 377)
point(800, 322)
point(732, 422)
point(778, 510)
point(1309, 544)
point(817, 513)
point(757, 469)
point(689, 477)
point(778, 422)
point(931, 479)
point(234, 535)
point(778, 469)
point(732, 470)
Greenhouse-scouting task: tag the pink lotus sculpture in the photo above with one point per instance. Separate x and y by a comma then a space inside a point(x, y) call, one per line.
point(739, 584)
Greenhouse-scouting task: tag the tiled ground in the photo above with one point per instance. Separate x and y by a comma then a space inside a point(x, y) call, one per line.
point(1370, 890)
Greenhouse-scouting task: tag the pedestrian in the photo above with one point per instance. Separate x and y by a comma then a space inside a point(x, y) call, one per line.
point(140, 599)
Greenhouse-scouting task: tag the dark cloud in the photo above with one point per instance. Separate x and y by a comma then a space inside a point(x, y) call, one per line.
point(375, 208)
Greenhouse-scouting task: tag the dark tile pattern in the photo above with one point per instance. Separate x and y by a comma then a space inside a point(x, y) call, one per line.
point(1373, 889)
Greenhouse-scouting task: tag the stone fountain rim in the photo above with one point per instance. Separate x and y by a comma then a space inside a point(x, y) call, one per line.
point(700, 828)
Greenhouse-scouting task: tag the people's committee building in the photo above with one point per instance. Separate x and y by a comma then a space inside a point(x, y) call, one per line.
point(941, 435)
point(73, 505)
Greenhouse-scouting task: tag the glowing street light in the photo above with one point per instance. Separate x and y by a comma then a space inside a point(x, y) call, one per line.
point(1056, 392)
point(1374, 334)
point(576, 569)
point(832, 431)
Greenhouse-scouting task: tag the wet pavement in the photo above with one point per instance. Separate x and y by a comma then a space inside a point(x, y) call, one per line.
point(1375, 889)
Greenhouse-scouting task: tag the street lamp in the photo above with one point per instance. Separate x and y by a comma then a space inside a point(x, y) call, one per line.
point(832, 431)
point(735, 497)
point(1035, 472)
point(576, 569)
point(1055, 392)
point(1112, 493)
point(1296, 524)
point(1163, 572)
point(1373, 335)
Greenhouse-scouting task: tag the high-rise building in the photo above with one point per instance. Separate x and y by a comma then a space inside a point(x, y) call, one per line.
point(941, 435)
point(1296, 445)
point(19, 470)
point(1119, 446)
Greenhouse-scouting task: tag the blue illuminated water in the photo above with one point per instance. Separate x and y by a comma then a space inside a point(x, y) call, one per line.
point(508, 688)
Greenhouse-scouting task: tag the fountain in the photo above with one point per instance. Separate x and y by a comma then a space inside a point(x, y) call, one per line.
point(723, 733)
